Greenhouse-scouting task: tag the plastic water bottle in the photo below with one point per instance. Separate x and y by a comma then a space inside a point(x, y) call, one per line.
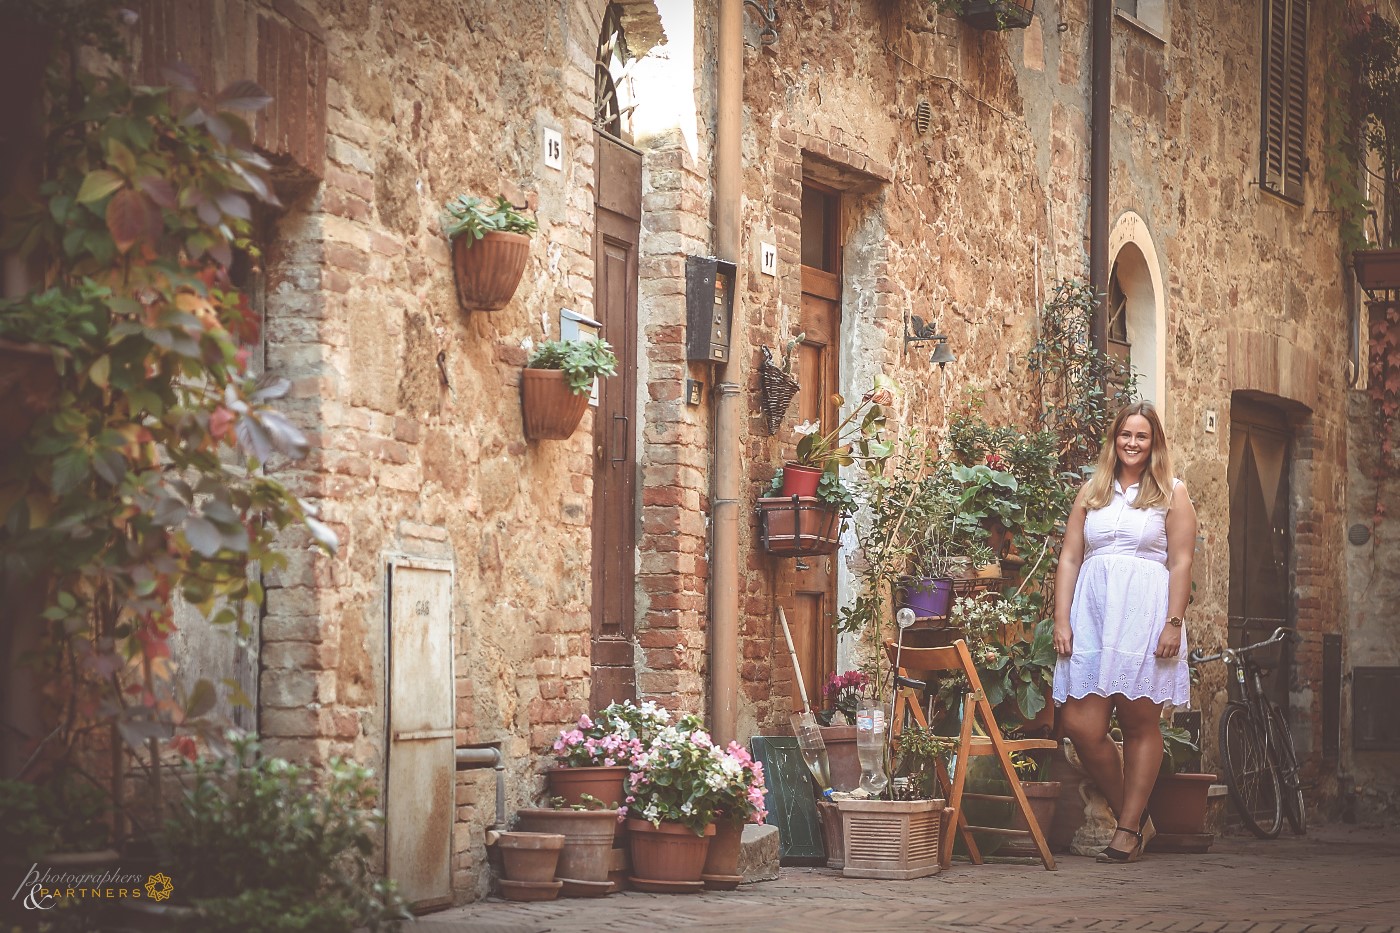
point(809, 740)
point(870, 746)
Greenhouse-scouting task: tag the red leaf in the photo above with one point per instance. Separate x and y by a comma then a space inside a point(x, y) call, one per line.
point(131, 217)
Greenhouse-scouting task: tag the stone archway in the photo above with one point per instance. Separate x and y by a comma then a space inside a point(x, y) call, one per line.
point(1133, 258)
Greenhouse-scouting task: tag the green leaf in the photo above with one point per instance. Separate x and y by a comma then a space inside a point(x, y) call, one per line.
point(98, 184)
point(101, 370)
point(202, 700)
point(202, 535)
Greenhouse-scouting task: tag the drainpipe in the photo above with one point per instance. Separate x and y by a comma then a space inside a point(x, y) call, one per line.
point(724, 496)
point(1100, 77)
point(487, 758)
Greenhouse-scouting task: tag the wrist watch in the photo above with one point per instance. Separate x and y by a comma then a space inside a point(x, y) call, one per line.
point(1176, 620)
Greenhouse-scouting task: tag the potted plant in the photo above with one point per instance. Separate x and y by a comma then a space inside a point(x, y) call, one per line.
point(793, 526)
point(588, 828)
point(995, 15)
point(490, 243)
point(1179, 798)
point(849, 441)
point(671, 808)
point(1042, 794)
point(844, 692)
point(738, 801)
point(556, 384)
point(594, 756)
point(1366, 125)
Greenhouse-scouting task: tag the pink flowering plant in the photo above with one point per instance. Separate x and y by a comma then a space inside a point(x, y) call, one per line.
point(844, 693)
point(740, 798)
point(684, 778)
point(615, 737)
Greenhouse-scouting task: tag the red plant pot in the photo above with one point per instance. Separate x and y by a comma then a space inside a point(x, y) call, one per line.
point(799, 480)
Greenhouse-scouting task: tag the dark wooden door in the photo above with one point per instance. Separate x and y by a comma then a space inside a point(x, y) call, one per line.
point(807, 585)
point(618, 223)
point(1260, 540)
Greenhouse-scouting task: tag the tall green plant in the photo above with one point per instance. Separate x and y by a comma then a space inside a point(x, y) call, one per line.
point(147, 482)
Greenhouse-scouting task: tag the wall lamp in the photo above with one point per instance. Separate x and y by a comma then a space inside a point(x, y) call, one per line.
point(916, 330)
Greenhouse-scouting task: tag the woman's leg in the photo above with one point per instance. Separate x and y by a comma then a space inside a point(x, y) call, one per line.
point(1142, 757)
point(1085, 722)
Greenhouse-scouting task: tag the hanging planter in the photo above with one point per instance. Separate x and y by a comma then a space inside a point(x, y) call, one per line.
point(779, 389)
point(1377, 269)
point(996, 15)
point(555, 387)
point(799, 526)
point(490, 243)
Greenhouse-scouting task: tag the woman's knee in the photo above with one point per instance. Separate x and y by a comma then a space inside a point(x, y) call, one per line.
point(1083, 726)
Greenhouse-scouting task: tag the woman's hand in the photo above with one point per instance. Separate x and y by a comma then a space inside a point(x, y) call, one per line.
point(1063, 639)
point(1169, 645)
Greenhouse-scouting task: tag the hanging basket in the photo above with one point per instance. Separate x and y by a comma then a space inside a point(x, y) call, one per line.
point(799, 526)
point(489, 270)
point(778, 391)
point(997, 15)
point(551, 409)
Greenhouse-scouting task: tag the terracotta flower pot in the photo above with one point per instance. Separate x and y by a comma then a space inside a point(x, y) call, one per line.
point(810, 527)
point(1377, 268)
point(833, 835)
point(1178, 803)
point(588, 836)
point(721, 871)
point(799, 480)
point(1043, 796)
point(530, 857)
point(603, 783)
point(842, 756)
point(669, 853)
point(489, 270)
point(550, 408)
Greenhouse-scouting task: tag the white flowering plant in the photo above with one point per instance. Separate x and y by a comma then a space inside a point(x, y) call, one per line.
point(740, 799)
point(615, 737)
point(684, 778)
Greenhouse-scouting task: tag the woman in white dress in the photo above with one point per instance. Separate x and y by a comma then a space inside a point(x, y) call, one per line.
point(1121, 591)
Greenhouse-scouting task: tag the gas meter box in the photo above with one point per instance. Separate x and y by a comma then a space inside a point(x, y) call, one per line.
point(709, 304)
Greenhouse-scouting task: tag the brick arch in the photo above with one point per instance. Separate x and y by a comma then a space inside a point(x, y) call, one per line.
point(1134, 256)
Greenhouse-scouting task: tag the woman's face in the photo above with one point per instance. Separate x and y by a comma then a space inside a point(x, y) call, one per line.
point(1134, 442)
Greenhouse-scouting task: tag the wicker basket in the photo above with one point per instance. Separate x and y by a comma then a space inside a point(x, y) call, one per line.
point(779, 388)
point(891, 839)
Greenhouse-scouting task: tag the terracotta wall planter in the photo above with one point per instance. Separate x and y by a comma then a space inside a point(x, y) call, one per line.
point(809, 527)
point(600, 782)
point(550, 409)
point(588, 837)
point(1377, 269)
point(489, 270)
point(891, 839)
point(669, 857)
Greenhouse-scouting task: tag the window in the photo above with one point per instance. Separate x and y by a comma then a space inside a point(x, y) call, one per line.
point(1150, 15)
point(1283, 111)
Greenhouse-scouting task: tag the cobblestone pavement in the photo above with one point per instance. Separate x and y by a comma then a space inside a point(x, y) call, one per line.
point(1339, 879)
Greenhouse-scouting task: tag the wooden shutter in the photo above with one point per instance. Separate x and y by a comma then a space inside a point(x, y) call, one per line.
point(1283, 112)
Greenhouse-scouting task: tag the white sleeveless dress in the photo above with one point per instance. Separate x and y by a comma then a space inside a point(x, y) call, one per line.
point(1120, 609)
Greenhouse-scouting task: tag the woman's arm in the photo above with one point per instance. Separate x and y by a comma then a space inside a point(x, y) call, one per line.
point(1181, 547)
point(1067, 574)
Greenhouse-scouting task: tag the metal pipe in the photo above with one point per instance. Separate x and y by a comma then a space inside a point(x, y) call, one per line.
point(724, 497)
point(1100, 76)
point(486, 758)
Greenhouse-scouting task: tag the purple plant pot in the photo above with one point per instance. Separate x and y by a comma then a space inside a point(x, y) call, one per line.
point(926, 596)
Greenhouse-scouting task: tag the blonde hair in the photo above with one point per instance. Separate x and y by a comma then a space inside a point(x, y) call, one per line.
point(1155, 487)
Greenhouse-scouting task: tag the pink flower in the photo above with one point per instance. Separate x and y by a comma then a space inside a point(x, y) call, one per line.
point(700, 737)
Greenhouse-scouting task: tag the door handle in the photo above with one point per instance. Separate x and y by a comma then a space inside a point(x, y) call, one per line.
point(619, 444)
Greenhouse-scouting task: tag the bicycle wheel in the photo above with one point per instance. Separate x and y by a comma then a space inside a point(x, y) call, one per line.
point(1290, 786)
point(1249, 773)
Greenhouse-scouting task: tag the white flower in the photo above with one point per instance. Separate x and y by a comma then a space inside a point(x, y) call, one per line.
point(808, 427)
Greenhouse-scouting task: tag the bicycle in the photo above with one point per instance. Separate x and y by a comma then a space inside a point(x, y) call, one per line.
point(1257, 758)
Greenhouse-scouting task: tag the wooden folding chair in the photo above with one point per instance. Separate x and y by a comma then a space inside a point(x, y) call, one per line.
point(925, 661)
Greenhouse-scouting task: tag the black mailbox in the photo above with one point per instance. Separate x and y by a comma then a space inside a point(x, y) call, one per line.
point(709, 308)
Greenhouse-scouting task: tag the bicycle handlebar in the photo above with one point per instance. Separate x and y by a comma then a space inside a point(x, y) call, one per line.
point(1230, 654)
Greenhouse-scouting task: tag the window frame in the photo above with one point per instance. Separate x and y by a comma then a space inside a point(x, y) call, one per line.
point(1283, 80)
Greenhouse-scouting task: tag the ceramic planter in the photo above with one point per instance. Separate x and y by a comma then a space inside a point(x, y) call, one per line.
point(489, 270)
point(799, 480)
point(530, 857)
point(806, 526)
point(1377, 269)
point(600, 782)
point(669, 858)
point(890, 839)
point(842, 756)
point(833, 838)
point(1178, 803)
point(588, 837)
point(721, 871)
point(928, 597)
point(550, 409)
point(28, 388)
point(1042, 796)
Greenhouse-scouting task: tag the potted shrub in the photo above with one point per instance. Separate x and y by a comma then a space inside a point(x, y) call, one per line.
point(792, 526)
point(1179, 798)
point(845, 693)
point(490, 243)
point(738, 801)
point(1042, 795)
point(557, 382)
point(594, 756)
point(843, 445)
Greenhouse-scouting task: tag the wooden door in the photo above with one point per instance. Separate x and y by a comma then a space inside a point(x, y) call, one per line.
point(420, 784)
point(1261, 597)
point(618, 218)
point(807, 585)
